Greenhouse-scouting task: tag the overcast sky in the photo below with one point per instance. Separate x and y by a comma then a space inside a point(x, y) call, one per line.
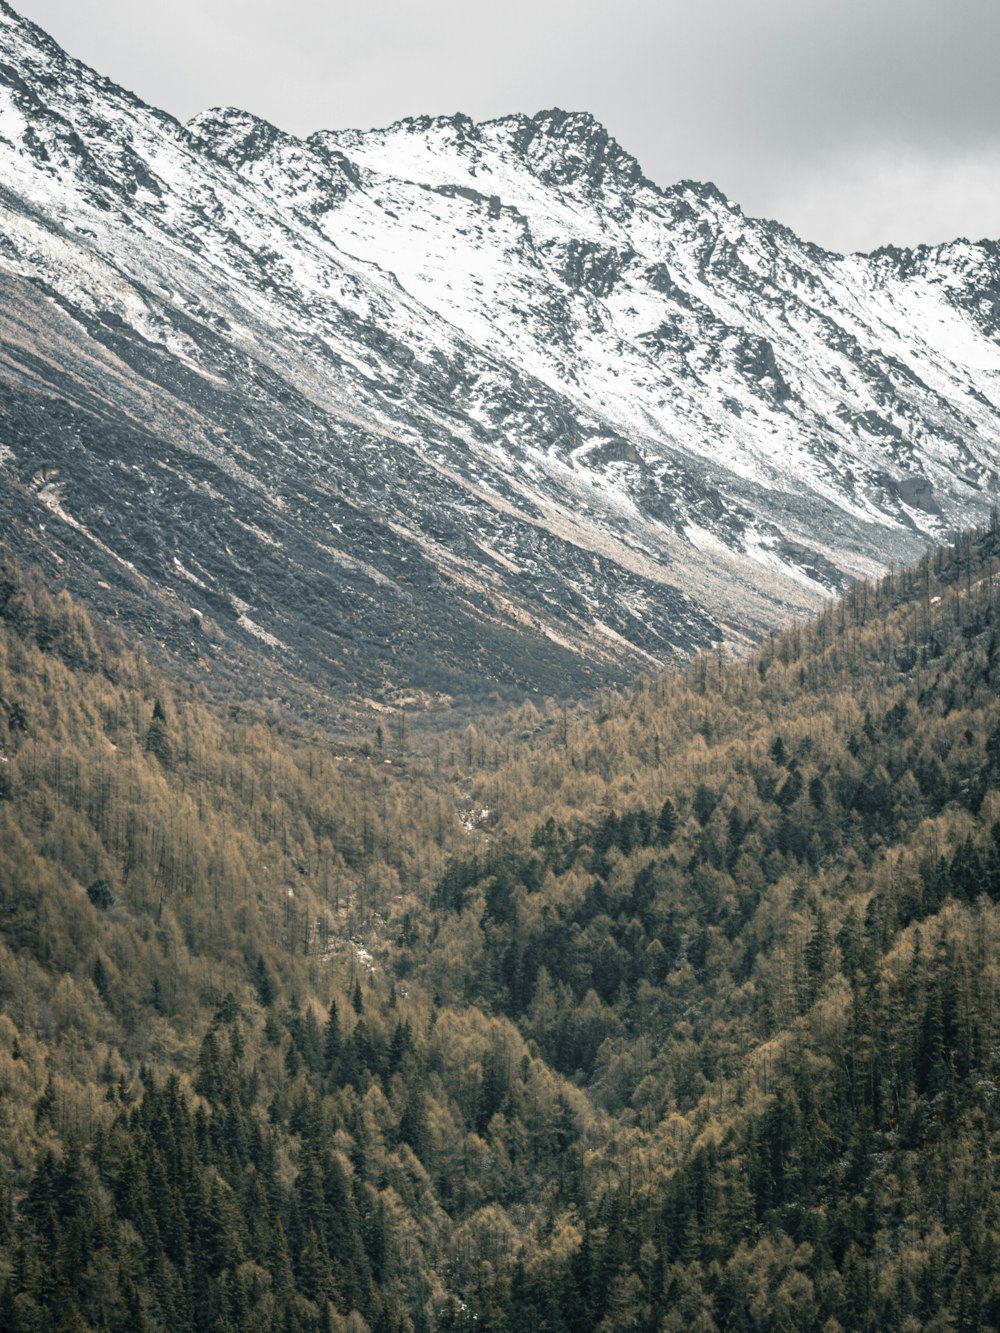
point(856, 122)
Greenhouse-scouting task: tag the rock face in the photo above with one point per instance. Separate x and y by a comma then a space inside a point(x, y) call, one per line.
point(453, 406)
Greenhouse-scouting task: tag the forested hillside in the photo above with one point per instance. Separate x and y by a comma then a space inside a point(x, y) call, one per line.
point(681, 1011)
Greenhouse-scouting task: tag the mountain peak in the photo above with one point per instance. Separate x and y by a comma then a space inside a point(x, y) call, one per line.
point(235, 136)
point(567, 146)
point(568, 124)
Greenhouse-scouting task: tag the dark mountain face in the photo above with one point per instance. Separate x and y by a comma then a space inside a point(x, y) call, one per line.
point(452, 407)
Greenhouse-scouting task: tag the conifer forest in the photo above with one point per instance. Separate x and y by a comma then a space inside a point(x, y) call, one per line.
point(677, 1008)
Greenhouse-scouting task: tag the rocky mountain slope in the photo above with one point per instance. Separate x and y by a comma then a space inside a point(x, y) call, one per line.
point(450, 406)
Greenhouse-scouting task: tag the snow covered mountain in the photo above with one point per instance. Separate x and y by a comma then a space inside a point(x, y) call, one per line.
point(450, 405)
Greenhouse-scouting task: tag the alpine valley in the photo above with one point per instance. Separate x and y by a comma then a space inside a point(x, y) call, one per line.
point(625, 993)
point(452, 407)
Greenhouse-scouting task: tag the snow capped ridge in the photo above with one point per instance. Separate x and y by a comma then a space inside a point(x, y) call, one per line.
point(454, 396)
point(555, 145)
